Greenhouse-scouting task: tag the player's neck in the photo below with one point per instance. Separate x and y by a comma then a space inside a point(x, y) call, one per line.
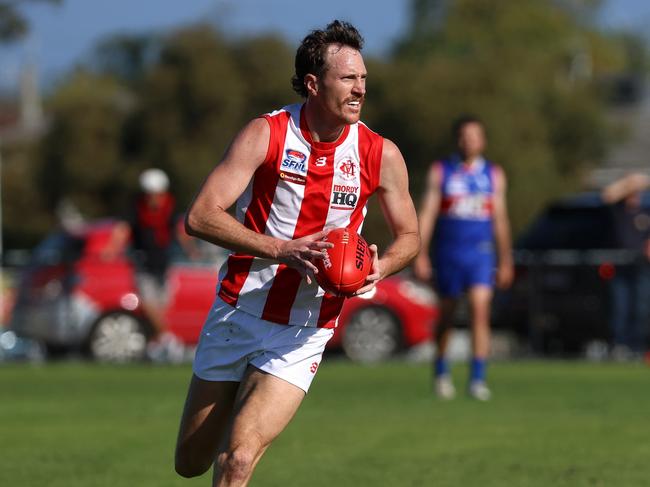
point(470, 160)
point(320, 128)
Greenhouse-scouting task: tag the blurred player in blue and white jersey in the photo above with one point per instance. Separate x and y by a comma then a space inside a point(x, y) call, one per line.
point(465, 235)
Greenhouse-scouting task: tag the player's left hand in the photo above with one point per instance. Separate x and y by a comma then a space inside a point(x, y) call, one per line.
point(375, 272)
point(300, 253)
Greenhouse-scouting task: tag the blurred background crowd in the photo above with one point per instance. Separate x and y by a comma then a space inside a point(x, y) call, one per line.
point(560, 88)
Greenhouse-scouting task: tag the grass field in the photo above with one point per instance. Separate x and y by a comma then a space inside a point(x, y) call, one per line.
point(550, 424)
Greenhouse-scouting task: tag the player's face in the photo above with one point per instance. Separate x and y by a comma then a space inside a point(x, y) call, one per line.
point(471, 140)
point(342, 87)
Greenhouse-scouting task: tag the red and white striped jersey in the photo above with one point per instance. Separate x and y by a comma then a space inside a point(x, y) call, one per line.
point(302, 187)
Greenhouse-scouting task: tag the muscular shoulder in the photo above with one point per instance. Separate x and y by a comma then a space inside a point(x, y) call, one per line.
point(393, 166)
point(498, 176)
point(390, 153)
point(251, 143)
point(257, 130)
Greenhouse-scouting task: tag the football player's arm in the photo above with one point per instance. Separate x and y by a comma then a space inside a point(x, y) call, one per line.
point(505, 270)
point(399, 212)
point(427, 217)
point(207, 217)
point(624, 187)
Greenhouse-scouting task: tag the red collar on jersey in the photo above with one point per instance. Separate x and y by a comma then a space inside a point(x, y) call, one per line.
point(306, 133)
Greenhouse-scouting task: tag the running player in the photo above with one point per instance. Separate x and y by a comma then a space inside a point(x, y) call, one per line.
point(293, 174)
point(465, 202)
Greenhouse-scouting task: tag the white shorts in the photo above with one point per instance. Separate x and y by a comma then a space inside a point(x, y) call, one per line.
point(232, 339)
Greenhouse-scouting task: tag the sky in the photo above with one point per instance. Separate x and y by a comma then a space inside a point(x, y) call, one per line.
point(63, 35)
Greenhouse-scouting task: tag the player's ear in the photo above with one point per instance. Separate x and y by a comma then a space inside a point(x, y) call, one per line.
point(311, 83)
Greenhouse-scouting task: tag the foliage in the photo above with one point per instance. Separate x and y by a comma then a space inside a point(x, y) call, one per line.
point(13, 24)
point(528, 69)
point(199, 94)
point(173, 102)
point(20, 196)
point(81, 152)
point(533, 71)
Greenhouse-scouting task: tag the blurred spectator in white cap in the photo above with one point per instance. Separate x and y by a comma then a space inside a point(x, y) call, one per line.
point(154, 181)
point(151, 224)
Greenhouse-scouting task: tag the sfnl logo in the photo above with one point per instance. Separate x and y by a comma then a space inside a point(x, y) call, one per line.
point(295, 162)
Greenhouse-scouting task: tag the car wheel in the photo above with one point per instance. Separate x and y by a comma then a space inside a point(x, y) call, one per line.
point(372, 334)
point(118, 337)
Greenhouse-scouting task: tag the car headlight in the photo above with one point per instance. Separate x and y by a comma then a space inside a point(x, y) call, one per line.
point(369, 295)
point(417, 292)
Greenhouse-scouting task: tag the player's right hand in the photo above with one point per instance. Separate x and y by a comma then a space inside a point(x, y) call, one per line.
point(375, 272)
point(299, 253)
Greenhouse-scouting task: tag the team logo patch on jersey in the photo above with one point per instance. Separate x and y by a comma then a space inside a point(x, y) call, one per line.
point(295, 162)
point(348, 169)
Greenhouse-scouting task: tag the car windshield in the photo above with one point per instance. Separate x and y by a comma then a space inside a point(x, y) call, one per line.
point(570, 228)
point(58, 248)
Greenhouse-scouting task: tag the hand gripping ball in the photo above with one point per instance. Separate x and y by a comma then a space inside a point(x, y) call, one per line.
point(346, 266)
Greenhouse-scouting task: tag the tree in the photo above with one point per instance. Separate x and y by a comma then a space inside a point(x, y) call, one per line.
point(13, 24)
point(529, 69)
point(126, 56)
point(171, 101)
point(197, 94)
point(81, 154)
point(191, 103)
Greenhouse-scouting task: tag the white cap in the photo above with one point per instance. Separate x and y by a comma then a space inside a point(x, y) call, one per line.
point(154, 181)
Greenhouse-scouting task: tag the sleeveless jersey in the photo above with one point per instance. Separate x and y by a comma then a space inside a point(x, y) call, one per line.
point(302, 187)
point(466, 206)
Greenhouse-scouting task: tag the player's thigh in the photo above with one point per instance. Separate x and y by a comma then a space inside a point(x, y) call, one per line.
point(448, 306)
point(207, 410)
point(264, 406)
point(480, 298)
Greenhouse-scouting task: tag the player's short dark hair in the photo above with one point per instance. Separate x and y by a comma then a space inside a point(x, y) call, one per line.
point(310, 56)
point(463, 120)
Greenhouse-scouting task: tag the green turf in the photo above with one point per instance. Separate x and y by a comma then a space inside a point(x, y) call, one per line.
point(550, 424)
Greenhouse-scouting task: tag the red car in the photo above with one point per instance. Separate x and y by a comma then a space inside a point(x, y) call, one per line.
point(72, 297)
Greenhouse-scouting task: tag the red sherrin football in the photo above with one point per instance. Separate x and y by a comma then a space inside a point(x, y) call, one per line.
point(347, 264)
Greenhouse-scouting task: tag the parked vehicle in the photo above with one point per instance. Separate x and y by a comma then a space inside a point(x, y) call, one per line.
point(71, 297)
point(397, 315)
point(560, 300)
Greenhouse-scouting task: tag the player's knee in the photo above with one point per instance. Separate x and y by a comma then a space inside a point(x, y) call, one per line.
point(188, 465)
point(238, 463)
point(481, 322)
